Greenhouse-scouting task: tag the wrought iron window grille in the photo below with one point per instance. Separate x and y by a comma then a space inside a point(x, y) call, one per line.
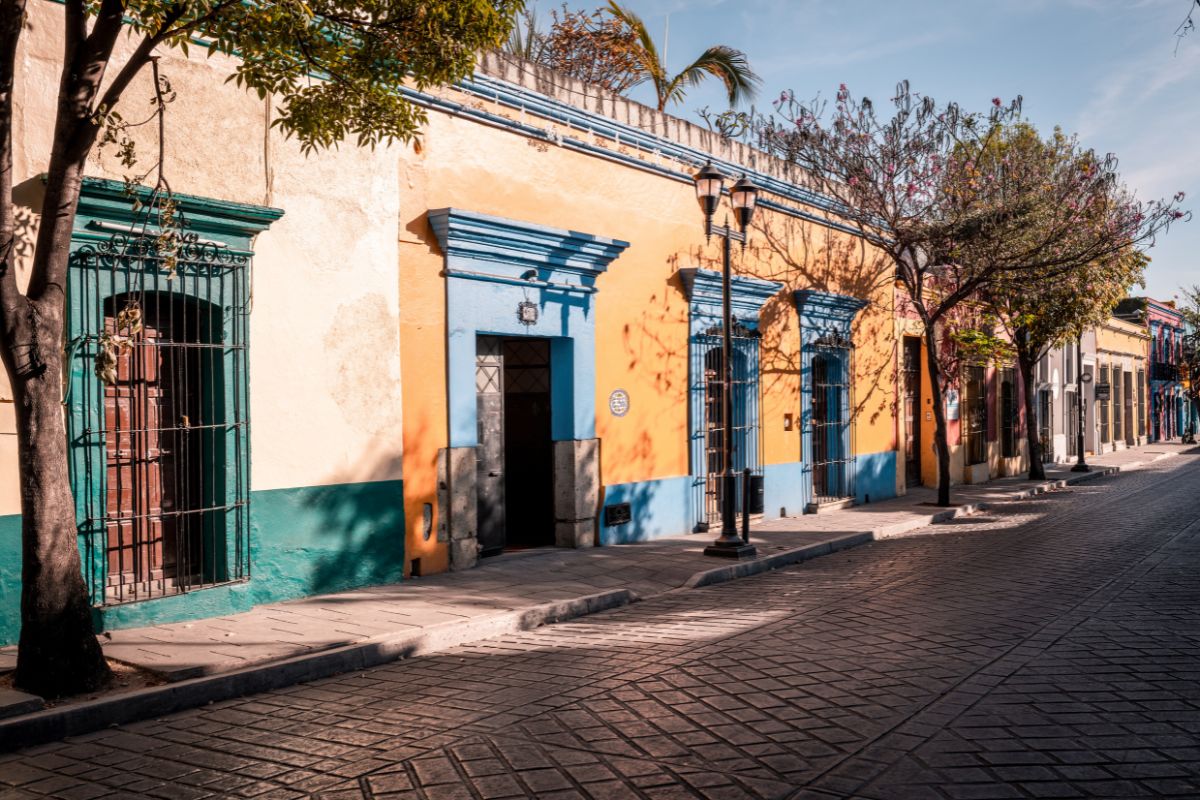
point(159, 414)
point(708, 378)
point(975, 414)
point(831, 418)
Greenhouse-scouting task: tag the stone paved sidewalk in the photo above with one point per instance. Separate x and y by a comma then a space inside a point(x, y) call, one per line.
point(1047, 648)
point(520, 580)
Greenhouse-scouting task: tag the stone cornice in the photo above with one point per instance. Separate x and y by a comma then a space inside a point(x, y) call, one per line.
point(747, 295)
point(515, 246)
point(104, 203)
point(833, 307)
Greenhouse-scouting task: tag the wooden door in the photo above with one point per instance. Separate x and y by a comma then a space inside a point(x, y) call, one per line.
point(141, 466)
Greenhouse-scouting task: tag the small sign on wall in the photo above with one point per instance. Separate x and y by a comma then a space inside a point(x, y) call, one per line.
point(618, 402)
point(952, 404)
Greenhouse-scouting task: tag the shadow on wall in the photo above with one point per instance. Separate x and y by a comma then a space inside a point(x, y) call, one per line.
point(656, 508)
point(317, 539)
point(803, 255)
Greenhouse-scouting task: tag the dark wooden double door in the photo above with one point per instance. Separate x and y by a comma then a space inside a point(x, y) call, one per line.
point(154, 481)
point(515, 477)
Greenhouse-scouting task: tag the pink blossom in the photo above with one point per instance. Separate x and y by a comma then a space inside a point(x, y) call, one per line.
point(996, 102)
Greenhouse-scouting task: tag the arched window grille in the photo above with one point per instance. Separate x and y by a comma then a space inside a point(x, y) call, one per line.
point(159, 418)
point(830, 420)
point(708, 378)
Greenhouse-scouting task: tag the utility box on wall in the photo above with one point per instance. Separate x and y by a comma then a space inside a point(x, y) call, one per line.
point(757, 494)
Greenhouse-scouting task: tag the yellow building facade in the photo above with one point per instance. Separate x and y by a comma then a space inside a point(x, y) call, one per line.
point(1119, 394)
point(504, 336)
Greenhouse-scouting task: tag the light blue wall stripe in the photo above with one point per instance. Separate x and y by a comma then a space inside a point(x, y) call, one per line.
point(783, 488)
point(876, 476)
point(658, 508)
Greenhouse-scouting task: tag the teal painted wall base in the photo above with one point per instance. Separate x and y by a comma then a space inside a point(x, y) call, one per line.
point(875, 479)
point(303, 541)
point(10, 578)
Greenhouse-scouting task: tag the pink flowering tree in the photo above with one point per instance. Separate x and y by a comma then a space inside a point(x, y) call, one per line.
point(935, 189)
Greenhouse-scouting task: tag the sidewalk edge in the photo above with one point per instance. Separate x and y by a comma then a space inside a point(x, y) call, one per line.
point(72, 720)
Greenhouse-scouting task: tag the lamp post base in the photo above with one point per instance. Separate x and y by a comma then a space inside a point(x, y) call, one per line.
point(1081, 468)
point(738, 550)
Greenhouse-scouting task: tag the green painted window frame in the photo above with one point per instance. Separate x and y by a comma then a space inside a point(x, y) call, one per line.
point(107, 209)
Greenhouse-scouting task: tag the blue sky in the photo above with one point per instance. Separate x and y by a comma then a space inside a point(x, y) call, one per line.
point(1105, 69)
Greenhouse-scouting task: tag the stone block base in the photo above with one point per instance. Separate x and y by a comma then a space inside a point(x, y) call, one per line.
point(464, 553)
point(575, 534)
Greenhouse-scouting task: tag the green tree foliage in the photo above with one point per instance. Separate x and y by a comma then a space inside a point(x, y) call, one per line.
point(726, 64)
point(333, 69)
point(1080, 227)
point(612, 48)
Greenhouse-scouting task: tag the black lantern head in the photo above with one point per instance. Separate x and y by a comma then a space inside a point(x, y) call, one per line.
point(709, 183)
point(743, 196)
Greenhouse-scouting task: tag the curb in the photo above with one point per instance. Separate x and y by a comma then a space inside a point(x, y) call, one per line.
point(1098, 472)
point(73, 720)
point(50, 724)
point(742, 569)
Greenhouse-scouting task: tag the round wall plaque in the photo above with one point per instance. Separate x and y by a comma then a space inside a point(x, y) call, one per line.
point(618, 402)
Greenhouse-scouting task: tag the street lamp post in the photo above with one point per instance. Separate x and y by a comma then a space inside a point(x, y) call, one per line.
point(743, 197)
point(1080, 464)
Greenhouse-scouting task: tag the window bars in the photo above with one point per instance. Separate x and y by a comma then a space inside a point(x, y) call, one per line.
point(1118, 428)
point(1072, 401)
point(1045, 415)
point(1009, 413)
point(1141, 402)
point(974, 413)
point(1104, 428)
point(159, 415)
point(831, 418)
point(708, 379)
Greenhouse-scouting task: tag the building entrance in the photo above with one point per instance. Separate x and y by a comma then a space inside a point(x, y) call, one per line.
point(164, 459)
point(912, 411)
point(515, 467)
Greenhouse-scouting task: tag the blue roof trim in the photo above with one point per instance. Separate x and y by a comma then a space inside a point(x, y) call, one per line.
point(536, 104)
point(516, 245)
point(539, 105)
point(747, 295)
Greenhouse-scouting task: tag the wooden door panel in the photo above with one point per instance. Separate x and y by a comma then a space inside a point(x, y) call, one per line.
point(136, 409)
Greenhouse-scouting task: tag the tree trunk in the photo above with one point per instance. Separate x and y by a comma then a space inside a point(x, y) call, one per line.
point(58, 652)
point(941, 433)
point(1026, 364)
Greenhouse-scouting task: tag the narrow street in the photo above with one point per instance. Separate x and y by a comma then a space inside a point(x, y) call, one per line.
point(1049, 649)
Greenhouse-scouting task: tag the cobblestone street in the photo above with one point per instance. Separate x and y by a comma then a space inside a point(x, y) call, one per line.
point(1048, 649)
